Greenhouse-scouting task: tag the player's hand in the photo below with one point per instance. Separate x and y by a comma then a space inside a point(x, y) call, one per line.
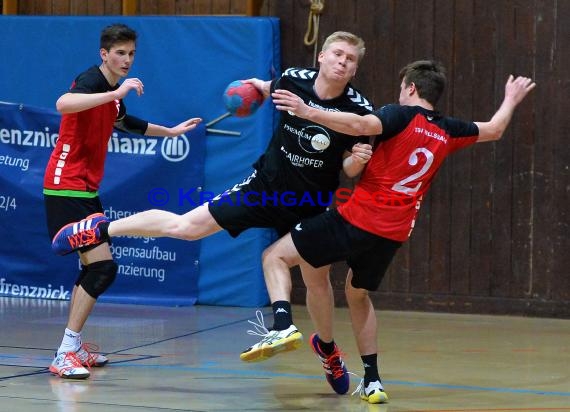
point(517, 89)
point(261, 85)
point(128, 85)
point(290, 102)
point(361, 153)
point(184, 127)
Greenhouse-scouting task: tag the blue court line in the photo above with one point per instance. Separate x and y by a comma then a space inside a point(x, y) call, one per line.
point(184, 335)
point(269, 375)
point(113, 405)
point(43, 370)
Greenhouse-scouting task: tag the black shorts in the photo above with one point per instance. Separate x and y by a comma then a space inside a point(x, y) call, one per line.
point(61, 210)
point(257, 203)
point(329, 238)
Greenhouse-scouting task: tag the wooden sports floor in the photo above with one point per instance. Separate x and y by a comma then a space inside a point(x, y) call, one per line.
point(187, 359)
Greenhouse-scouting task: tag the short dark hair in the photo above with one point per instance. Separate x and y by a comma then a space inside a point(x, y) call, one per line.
point(429, 78)
point(117, 33)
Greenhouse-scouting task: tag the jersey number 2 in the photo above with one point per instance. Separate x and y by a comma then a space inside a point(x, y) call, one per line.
point(413, 160)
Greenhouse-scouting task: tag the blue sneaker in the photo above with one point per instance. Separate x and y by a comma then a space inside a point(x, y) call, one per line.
point(335, 371)
point(76, 235)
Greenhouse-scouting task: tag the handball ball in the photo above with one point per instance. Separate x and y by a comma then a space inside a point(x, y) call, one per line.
point(242, 99)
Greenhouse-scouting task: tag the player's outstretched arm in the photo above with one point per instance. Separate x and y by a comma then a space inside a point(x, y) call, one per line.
point(185, 126)
point(515, 92)
point(347, 123)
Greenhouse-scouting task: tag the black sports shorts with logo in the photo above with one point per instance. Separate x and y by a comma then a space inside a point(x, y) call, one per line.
point(329, 238)
point(258, 203)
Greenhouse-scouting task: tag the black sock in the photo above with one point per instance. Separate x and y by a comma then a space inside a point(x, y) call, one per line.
point(326, 347)
point(370, 363)
point(282, 316)
point(104, 230)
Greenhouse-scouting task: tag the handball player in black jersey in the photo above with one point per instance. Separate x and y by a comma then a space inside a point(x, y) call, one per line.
point(292, 180)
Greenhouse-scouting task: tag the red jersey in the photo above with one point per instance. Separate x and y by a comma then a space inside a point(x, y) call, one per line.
point(413, 145)
point(78, 159)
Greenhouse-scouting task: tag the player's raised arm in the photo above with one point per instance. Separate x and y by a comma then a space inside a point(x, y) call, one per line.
point(515, 91)
point(78, 102)
point(348, 123)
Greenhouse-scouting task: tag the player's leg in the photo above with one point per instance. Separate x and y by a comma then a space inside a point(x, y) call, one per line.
point(100, 274)
point(315, 242)
point(367, 271)
point(364, 326)
point(319, 299)
point(193, 225)
point(226, 211)
point(362, 316)
point(277, 260)
point(320, 304)
point(97, 275)
point(59, 211)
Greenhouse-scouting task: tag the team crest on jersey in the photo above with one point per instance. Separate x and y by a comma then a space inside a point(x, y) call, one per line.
point(314, 139)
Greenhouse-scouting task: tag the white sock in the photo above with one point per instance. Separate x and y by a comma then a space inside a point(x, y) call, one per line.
point(71, 341)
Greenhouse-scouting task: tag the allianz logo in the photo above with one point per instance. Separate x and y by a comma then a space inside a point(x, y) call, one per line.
point(173, 149)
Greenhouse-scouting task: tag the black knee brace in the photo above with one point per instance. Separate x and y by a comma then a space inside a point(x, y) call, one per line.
point(81, 275)
point(99, 276)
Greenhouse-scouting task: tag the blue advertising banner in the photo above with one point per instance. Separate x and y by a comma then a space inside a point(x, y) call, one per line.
point(185, 63)
point(151, 271)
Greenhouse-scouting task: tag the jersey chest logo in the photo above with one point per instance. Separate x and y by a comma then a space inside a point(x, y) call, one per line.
point(312, 139)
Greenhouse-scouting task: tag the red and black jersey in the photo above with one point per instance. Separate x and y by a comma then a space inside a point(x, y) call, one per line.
point(77, 161)
point(412, 147)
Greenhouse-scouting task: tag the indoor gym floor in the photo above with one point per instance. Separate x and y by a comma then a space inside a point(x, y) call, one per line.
point(187, 359)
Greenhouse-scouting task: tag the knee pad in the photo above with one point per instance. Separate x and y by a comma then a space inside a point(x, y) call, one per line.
point(81, 275)
point(100, 275)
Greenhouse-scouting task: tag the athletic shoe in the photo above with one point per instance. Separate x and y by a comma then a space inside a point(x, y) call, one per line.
point(76, 235)
point(273, 342)
point(335, 371)
point(373, 392)
point(87, 356)
point(68, 366)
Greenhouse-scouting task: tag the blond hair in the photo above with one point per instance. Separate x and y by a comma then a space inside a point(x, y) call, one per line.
point(350, 38)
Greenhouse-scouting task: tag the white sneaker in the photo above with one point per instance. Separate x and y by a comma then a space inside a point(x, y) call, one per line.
point(273, 342)
point(373, 393)
point(87, 356)
point(68, 366)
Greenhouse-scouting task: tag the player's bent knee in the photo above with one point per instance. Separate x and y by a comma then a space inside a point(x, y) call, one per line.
point(100, 276)
point(355, 293)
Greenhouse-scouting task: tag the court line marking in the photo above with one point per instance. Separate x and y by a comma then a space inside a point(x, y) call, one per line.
point(268, 375)
point(128, 363)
